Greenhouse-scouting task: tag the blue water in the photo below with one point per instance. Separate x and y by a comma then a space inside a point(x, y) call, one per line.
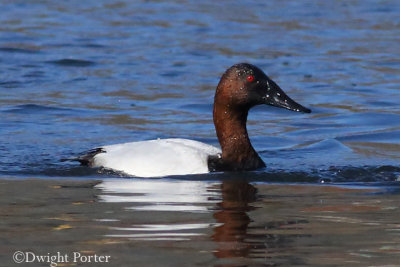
point(77, 75)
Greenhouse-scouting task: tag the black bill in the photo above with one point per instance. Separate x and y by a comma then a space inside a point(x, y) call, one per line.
point(276, 97)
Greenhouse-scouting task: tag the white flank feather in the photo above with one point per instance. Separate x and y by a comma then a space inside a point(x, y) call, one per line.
point(157, 158)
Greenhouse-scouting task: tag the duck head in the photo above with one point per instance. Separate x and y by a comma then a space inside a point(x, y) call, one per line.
point(242, 87)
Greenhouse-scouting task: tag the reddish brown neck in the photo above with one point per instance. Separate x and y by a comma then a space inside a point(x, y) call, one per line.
point(230, 125)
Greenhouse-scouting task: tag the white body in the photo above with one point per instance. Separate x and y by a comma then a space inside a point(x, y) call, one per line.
point(157, 158)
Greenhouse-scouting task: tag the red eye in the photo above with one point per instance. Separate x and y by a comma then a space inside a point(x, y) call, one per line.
point(250, 78)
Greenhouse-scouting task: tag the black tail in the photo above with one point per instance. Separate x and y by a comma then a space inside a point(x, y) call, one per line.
point(87, 158)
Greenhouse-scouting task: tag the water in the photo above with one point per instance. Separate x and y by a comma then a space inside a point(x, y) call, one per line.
point(230, 222)
point(74, 76)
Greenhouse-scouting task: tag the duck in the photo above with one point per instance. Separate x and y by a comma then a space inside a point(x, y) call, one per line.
point(241, 87)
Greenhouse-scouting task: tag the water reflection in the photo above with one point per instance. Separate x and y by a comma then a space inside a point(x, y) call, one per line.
point(240, 236)
point(204, 223)
point(195, 211)
point(158, 195)
point(160, 198)
point(232, 214)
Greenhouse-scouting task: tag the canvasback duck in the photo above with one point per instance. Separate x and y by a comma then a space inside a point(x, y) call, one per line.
point(241, 87)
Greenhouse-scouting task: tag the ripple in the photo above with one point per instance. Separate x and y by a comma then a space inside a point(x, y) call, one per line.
point(34, 108)
point(11, 84)
point(18, 50)
point(72, 62)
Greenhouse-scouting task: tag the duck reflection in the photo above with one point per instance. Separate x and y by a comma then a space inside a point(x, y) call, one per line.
point(180, 211)
point(230, 236)
point(237, 242)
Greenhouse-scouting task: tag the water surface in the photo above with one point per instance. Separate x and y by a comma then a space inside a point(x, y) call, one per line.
point(233, 222)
